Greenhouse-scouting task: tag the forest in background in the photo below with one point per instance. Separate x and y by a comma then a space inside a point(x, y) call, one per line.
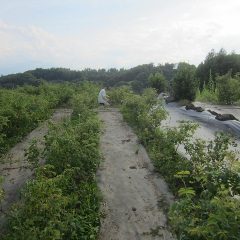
point(216, 79)
point(136, 77)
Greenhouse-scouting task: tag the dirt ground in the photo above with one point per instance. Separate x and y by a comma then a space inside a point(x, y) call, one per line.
point(12, 167)
point(135, 198)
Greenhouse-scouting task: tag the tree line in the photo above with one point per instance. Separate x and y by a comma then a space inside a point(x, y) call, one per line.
point(136, 77)
point(216, 79)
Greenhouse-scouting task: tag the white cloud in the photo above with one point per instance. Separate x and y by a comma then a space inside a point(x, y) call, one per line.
point(157, 31)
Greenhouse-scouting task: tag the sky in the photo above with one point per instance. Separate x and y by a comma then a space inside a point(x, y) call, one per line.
point(80, 34)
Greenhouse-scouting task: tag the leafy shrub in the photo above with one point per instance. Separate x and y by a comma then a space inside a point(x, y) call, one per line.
point(218, 218)
point(158, 82)
point(75, 143)
point(144, 112)
point(207, 96)
point(84, 99)
point(184, 83)
point(63, 206)
point(163, 150)
point(206, 183)
point(199, 212)
point(22, 109)
point(62, 202)
point(228, 88)
point(118, 95)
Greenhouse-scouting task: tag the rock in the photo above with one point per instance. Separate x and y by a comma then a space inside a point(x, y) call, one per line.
point(213, 113)
point(199, 109)
point(192, 107)
point(133, 167)
point(225, 117)
point(134, 209)
point(189, 106)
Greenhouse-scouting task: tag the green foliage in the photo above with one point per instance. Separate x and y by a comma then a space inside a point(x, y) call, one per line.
point(163, 150)
point(119, 94)
point(228, 88)
point(211, 85)
point(198, 182)
point(33, 154)
point(209, 92)
point(218, 64)
point(218, 218)
point(184, 83)
point(136, 77)
point(206, 208)
point(19, 79)
point(187, 192)
point(84, 100)
point(63, 206)
point(22, 109)
point(207, 96)
point(158, 82)
point(62, 202)
point(75, 143)
point(207, 182)
point(144, 112)
point(218, 78)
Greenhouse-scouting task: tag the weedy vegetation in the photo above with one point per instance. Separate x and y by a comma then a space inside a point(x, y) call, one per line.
point(62, 201)
point(205, 181)
point(23, 108)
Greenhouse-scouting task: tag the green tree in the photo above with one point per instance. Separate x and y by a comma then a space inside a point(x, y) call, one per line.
point(158, 82)
point(211, 86)
point(184, 83)
point(219, 63)
point(228, 88)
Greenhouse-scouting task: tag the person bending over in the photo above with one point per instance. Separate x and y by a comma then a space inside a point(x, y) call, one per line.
point(102, 98)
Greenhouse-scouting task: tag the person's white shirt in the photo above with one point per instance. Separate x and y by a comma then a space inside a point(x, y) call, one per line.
point(102, 96)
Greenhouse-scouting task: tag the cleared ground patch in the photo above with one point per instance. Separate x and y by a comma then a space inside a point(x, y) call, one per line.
point(134, 196)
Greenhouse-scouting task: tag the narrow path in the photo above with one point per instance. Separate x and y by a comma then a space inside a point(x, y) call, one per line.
point(13, 166)
point(134, 197)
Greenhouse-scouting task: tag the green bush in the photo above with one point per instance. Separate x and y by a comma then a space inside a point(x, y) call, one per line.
point(184, 82)
point(163, 150)
point(118, 95)
point(75, 143)
point(63, 206)
point(218, 218)
point(206, 183)
point(144, 112)
point(22, 109)
point(158, 82)
point(207, 96)
point(228, 88)
point(62, 202)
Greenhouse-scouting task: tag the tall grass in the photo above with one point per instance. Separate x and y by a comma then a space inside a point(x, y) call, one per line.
point(207, 96)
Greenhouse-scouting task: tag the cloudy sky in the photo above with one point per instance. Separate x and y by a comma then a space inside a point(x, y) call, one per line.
point(113, 33)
